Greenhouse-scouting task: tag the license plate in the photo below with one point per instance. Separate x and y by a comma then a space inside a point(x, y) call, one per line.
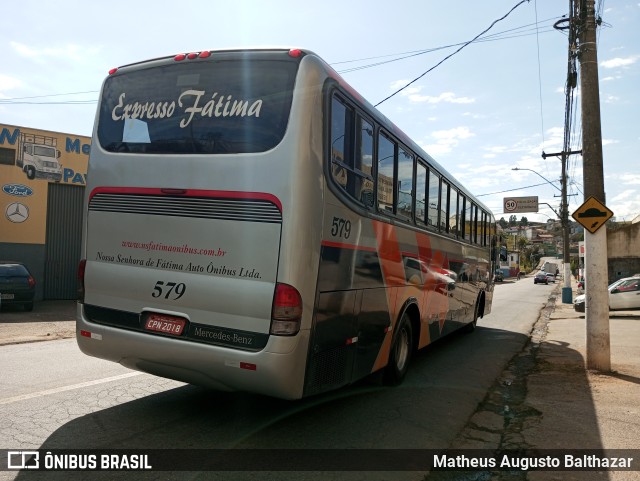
point(166, 324)
point(7, 296)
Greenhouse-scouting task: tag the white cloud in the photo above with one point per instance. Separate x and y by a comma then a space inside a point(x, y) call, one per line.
point(446, 140)
point(413, 94)
point(453, 134)
point(619, 62)
point(8, 83)
point(630, 179)
point(69, 51)
point(448, 97)
point(624, 195)
point(625, 205)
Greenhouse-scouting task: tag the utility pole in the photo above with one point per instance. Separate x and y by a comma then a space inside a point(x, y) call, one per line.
point(564, 220)
point(597, 296)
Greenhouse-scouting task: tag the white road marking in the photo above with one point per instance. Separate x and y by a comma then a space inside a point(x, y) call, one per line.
point(71, 387)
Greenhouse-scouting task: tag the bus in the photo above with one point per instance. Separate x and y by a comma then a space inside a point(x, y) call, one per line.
point(252, 223)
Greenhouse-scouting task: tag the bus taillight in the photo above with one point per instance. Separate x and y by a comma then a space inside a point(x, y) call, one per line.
point(192, 55)
point(287, 311)
point(81, 268)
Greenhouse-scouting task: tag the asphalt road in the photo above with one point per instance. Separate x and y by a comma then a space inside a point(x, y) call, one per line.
point(52, 396)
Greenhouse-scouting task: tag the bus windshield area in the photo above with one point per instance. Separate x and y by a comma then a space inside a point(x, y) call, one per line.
point(211, 107)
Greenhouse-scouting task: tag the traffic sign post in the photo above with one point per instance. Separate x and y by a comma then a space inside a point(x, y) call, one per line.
point(512, 205)
point(592, 215)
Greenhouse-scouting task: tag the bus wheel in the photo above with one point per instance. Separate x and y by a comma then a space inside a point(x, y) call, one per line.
point(31, 172)
point(400, 352)
point(472, 325)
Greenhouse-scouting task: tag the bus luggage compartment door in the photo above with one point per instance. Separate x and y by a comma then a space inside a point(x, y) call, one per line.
point(213, 261)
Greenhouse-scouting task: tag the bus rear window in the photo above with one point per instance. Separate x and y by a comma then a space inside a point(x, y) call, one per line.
point(211, 107)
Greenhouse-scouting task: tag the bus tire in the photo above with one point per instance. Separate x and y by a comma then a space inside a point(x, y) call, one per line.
point(401, 350)
point(31, 172)
point(472, 325)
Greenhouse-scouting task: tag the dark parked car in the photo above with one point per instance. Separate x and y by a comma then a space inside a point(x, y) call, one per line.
point(17, 285)
point(499, 276)
point(541, 278)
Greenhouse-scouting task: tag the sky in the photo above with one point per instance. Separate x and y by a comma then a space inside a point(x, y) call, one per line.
point(495, 105)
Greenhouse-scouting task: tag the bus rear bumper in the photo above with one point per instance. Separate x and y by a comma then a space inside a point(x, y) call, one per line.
point(277, 370)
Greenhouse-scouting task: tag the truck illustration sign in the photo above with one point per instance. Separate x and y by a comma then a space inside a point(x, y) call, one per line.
point(38, 156)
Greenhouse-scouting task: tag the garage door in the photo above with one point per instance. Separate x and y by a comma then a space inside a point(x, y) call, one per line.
point(64, 236)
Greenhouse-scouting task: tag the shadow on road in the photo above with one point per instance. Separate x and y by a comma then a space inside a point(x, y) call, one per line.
point(457, 394)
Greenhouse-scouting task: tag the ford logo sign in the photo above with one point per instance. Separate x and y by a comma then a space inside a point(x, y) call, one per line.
point(18, 190)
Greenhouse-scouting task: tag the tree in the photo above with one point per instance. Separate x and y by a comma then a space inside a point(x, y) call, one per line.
point(523, 242)
point(503, 223)
point(524, 222)
point(513, 220)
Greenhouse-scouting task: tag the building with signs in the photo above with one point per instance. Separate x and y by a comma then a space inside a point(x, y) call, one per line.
point(42, 180)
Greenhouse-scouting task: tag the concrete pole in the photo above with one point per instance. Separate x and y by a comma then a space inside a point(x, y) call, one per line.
point(597, 296)
point(566, 255)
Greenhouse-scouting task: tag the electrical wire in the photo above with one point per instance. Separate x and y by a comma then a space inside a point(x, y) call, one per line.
point(524, 30)
point(535, 4)
point(405, 55)
point(511, 190)
point(27, 100)
point(483, 39)
point(452, 54)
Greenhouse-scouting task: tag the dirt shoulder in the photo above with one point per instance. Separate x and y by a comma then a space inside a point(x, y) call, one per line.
point(49, 320)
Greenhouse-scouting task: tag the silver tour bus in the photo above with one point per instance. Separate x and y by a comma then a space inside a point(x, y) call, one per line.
point(252, 223)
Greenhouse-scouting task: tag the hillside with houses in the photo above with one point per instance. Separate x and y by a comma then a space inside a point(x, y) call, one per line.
point(524, 243)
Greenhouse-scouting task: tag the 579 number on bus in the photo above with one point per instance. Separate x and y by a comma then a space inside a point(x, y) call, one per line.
point(169, 290)
point(341, 227)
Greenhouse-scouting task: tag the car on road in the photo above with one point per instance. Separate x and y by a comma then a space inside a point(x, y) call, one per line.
point(499, 276)
point(17, 285)
point(551, 277)
point(541, 278)
point(623, 294)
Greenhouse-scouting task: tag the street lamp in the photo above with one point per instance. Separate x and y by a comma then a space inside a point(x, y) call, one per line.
point(543, 178)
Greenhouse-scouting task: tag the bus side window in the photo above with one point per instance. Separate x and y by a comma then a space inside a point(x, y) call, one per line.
point(461, 215)
point(340, 143)
point(444, 207)
point(421, 192)
point(406, 193)
point(386, 160)
point(364, 163)
point(434, 199)
point(453, 211)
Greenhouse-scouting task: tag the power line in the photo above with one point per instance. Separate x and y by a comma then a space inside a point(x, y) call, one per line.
point(52, 95)
point(511, 190)
point(539, 72)
point(27, 100)
point(402, 56)
point(452, 54)
point(483, 39)
point(405, 55)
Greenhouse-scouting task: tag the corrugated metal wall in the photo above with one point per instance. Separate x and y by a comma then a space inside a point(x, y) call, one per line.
point(64, 237)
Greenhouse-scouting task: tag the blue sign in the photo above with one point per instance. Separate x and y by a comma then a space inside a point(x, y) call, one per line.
point(18, 190)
